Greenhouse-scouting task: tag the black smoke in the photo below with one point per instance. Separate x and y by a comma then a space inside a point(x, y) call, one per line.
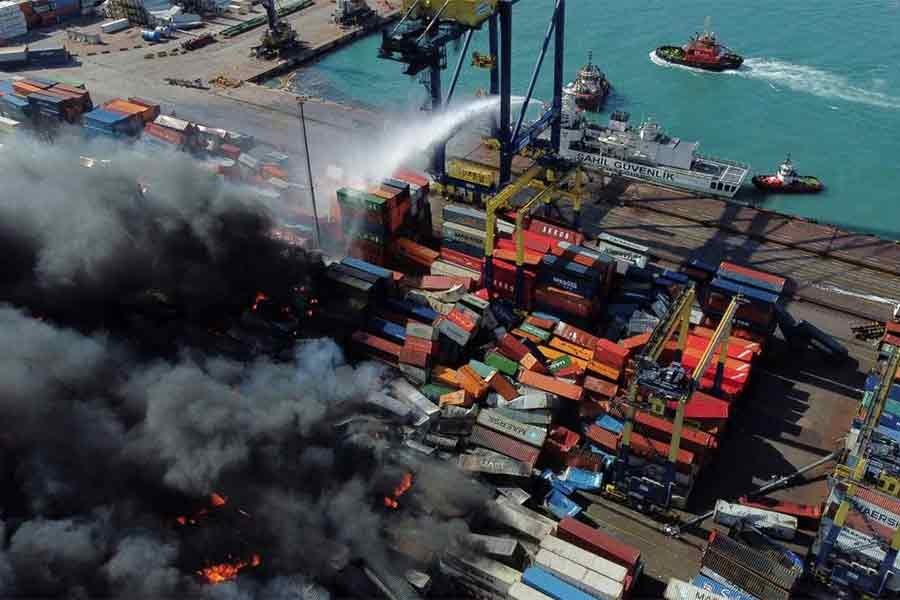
point(104, 444)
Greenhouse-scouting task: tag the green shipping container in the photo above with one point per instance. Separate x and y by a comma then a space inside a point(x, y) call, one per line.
point(539, 333)
point(892, 407)
point(361, 200)
point(434, 391)
point(501, 363)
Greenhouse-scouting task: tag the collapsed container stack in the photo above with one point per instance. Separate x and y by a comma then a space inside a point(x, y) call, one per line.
point(856, 548)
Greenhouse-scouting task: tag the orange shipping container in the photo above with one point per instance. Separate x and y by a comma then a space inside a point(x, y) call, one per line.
point(128, 108)
point(552, 385)
point(572, 349)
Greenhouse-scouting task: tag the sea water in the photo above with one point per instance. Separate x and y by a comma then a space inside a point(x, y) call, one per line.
point(820, 82)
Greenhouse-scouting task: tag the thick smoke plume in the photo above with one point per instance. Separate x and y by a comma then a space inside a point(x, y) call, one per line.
point(103, 445)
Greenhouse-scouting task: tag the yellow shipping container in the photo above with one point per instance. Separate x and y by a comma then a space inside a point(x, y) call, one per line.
point(466, 170)
point(471, 13)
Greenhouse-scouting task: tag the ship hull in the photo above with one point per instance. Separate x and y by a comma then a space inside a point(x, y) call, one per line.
point(592, 102)
point(765, 183)
point(670, 54)
point(678, 179)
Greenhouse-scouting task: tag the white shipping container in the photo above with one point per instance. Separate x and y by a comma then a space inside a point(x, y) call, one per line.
point(520, 591)
point(776, 524)
point(404, 391)
point(493, 574)
point(680, 590)
point(14, 54)
point(114, 26)
point(586, 580)
point(586, 559)
point(524, 520)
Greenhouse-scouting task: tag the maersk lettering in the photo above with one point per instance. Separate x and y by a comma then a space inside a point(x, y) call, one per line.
point(627, 168)
point(878, 515)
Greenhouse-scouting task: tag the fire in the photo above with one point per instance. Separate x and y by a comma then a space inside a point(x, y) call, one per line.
point(260, 297)
point(217, 499)
point(228, 570)
point(402, 488)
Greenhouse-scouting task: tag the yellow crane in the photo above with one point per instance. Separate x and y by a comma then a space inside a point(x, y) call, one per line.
point(676, 320)
point(503, 200)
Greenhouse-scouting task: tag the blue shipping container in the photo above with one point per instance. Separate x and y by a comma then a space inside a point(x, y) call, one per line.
point(386, 329)
point(552, 586)
point(467, 249)
point(610, 423)
point(367, 267)
point(775, 288)
point(731, 288)
point(415, 311)
point(710, 585)
point(888, 433)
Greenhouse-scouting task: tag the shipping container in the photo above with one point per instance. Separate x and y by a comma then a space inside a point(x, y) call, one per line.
point(551, 384)
point(482, 436)
point(716, 587)
point(808, 514)
point(748, 568)
point(776, 524)
point(555, 231)
point(550, 585)
point(578, 576)
point(520, 591)
point(681, 590)
point(759, 279)
point(598, 542)
point(589, 560)
point(534, 436)
point(523, 520)
point(472, 172)
point(483, 571)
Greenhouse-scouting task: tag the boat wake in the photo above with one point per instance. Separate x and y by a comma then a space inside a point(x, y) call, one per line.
point(802, 78)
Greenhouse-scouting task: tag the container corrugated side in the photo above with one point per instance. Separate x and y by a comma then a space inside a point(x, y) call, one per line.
point(482, 436)
point(751, 559)
point(681, 590)
point(743, 577)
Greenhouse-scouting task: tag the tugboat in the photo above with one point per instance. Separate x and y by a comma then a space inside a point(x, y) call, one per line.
point(590, 88)
point(787, 181)
point(702, 52)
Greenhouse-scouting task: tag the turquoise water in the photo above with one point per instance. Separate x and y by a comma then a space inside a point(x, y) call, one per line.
point(821, 82)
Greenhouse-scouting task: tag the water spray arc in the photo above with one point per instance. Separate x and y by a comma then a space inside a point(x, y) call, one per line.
point(420, 40)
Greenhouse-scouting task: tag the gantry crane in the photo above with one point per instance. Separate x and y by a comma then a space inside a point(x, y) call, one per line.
point(503, 200)
point(670, 383)
point(278, 38)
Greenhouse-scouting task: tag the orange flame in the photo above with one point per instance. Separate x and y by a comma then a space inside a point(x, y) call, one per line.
point(227, 571)
point(402, 488)
point(260, 296)
point(217, 500)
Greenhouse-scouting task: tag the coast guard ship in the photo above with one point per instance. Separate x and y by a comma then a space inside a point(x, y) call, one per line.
point(646, 153)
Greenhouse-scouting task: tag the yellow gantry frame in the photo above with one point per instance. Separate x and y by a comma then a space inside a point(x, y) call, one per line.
point(547, 191)
point(679, 318)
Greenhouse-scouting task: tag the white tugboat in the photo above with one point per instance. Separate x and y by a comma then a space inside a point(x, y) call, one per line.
point(590, 88)
point(788, 181)
point(646, 153)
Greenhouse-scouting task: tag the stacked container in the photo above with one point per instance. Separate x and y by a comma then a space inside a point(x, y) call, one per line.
point(105, 123)
point(12, 21)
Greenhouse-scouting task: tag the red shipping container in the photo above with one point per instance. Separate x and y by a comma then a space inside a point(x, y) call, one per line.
point(775, 280)
point(397, 215)
point(540, 323)
point(411, 356)
point(165, 134)
point(229, 151)
point(382, 345)
point(735, 351)
point(269, 171)
point(606, 389)
point(440, 282)
point(691, 361)
point(500, 384)
point(410, 176)
point(636, 341)
point(641, 445)
point(703, 407)
point(482, 436)
point(658, 428)
point(530, 260)
point(551, 384)
point(416, 252)
point(461, 319)
point(419, 344)
point(368, 251)
point(505, 281)
point(557, 232)
point(537, 243)
point(610, 353)
point(577, 336)
point(561, 441)
point(893, 340)
point(512, 348)
point(564, 301)
point(573, 371)
point(729, 390)
point(892, 327)
point(599, 543)
point(461, 259)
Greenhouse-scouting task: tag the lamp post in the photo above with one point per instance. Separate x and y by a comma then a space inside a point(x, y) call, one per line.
point(301, 100)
